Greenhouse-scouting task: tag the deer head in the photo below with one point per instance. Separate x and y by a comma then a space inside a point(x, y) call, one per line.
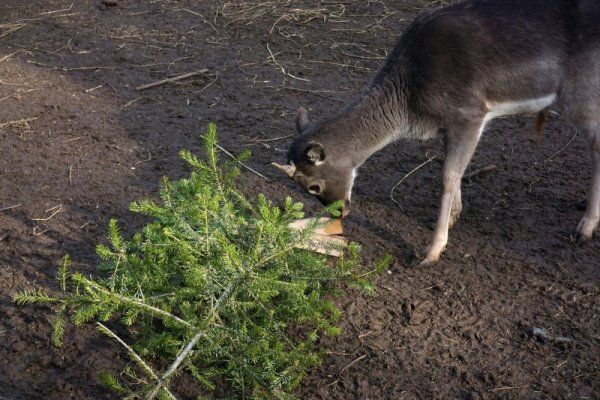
point(316, 166)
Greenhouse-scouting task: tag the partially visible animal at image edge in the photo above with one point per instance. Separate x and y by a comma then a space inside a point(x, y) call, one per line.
point(453, 70)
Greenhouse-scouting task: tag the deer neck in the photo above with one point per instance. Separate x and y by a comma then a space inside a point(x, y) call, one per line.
point(380, 116)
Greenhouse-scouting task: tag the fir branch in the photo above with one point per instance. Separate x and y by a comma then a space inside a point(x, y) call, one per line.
point(63, 272)
point(143, 365)
point(58, 327)
point(34, 296)
point(136, 303)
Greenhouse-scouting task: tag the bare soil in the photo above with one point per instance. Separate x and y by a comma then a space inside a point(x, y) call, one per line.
point(79, 143)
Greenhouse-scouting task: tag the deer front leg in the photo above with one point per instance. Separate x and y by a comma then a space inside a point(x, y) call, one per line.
point(460, 146)
point(590, 220)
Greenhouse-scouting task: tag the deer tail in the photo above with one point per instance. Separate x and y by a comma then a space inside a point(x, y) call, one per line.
point(539, 122)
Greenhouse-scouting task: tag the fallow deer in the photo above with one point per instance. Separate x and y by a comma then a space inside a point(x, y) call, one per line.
point(453, 70)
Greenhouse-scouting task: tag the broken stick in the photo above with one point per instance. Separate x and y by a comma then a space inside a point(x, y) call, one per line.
point(173, 79)
point(480, 171)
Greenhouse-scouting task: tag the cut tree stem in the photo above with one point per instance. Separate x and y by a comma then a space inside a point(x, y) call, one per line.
point(188, 348)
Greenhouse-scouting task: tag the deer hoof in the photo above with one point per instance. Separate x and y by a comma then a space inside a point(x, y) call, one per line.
point(429, 261)
point(584, 231)
point(580, 239)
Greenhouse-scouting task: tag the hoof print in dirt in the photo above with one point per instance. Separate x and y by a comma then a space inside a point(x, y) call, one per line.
point(407, 309)
point(106, 4)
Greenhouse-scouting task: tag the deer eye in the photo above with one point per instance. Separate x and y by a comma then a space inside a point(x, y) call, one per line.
point(314, 188)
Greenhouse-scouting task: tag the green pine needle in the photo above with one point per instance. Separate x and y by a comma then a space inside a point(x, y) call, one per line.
point(29, 296)
point(58, 329)
point(111, 382)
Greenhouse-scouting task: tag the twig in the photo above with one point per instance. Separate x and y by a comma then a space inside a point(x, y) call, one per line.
point(126, 105)
point(562, 148)
point(57, 11)
point(24, 121)
point(145, 160)
point(73, 139)
point(207, 86)
point(13, 84)
point(352, 363)
point(55, 210)
point(586, 374)
point(283, 70)
point(16, 94)
point(92, 89)
point(500, 389)
point(340, 64)
point(256, 140)
point(15, 28)
point(201, 16)
point(418, 167)
point(10, 207)
point(173, 79)
point(83, 68)
point(480, 171)
point(318, 93)
point(241, 163)
point(6, 57)
point(345, 368)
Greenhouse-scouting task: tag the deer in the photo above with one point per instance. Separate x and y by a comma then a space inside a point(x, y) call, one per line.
point(452, 71)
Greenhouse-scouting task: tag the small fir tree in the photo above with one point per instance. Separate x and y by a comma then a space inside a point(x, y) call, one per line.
point(212, 287)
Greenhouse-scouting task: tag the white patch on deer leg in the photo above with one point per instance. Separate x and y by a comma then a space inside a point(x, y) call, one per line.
point(500, 109)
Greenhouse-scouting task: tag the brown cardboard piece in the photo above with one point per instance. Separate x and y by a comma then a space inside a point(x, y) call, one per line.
point(324, 237)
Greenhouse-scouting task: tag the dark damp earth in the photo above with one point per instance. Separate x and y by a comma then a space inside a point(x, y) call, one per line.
point(79, 143)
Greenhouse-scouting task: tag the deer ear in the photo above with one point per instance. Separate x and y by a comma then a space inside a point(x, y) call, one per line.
point(302, 120)
point(315, 153)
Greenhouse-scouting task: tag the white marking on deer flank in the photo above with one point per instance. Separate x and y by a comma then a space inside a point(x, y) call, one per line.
point(518, 107)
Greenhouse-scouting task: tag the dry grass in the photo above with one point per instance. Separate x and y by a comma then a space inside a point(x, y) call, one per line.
point(287, 17)
point(347, 26)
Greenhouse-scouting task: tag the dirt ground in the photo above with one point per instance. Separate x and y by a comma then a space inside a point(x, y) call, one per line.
point(79, 143)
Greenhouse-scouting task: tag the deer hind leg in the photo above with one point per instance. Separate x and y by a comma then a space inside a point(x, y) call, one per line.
point(460, 146)
point(591, 218)
point(457, 202)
